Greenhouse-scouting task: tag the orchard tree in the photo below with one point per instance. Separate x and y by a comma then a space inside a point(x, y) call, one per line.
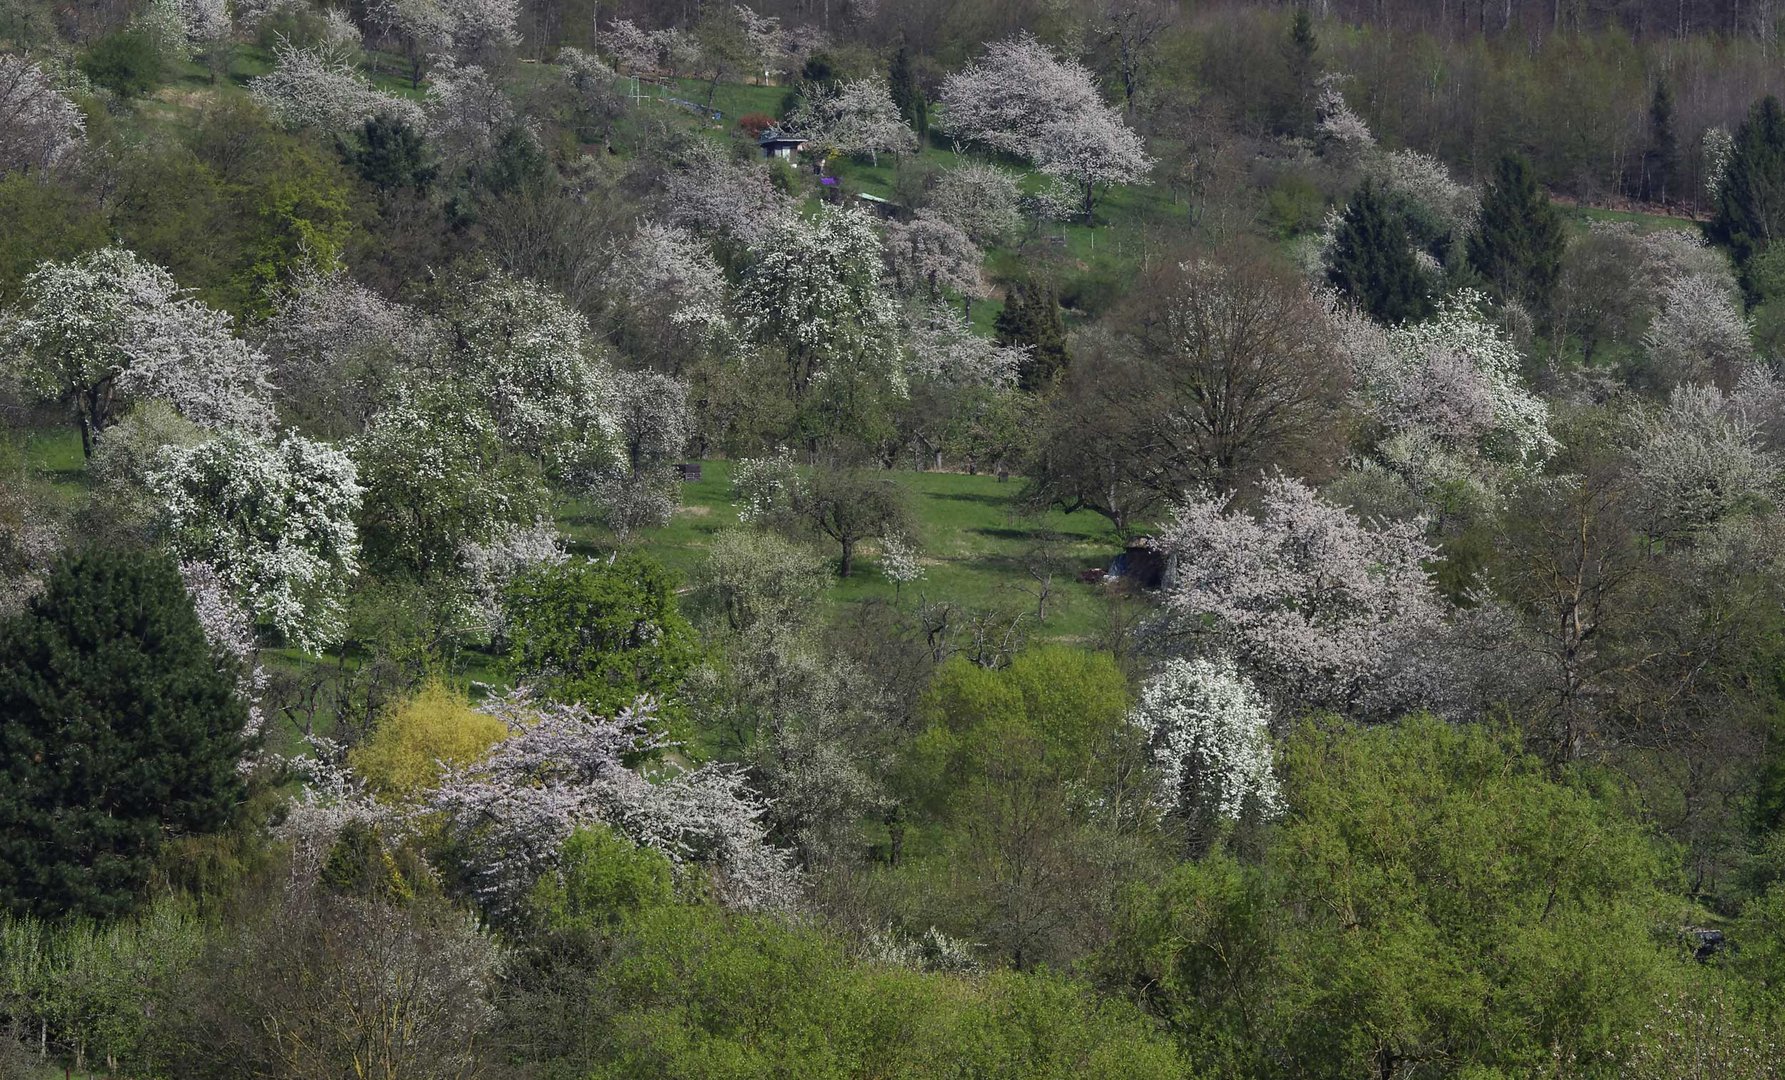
point(1317, 606)
point(666, 274)
point(421, 30)
point(274, 520)
point(930, 257)
point(438, 477)
point(1517, 245)
point(599, 633)
point(1021, 99)
point(39, 125)
point(849, 506)
point(814, 292)
point(708, 192)
point(563, 767)
point(1210, 733)
point(108, 328)
point(468, 114)
point(855, 118)
point(121, 730)
point(1700, 334)
point(642, 486)
point(980, 199)
point(317, 89)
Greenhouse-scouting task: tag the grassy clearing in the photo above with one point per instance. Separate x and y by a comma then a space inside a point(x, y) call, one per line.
point(976, 542)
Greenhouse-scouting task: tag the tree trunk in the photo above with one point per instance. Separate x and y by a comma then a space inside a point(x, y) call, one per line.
point(847, 563)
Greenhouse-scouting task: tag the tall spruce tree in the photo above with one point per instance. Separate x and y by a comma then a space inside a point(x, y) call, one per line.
point(907, 95)
point(1031, 317)
point(1517, 246)
point(118, 727)
point(1371, 262)
point(1751, 200)
point(1661, 160)
point(1299, 52)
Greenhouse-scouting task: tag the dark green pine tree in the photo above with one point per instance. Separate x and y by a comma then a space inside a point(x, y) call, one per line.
point(1031, 317)
point(118, 728)
point(1517, 247)
point(1751, 198)
point(1371, 262)
point(1661, 160)
point(389, 154)
point(906, 94)
point(1298, 51)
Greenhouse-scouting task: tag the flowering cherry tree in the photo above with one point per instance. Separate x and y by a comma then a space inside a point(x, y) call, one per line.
point(1316, 605)
point(928, 256)
point(107, 329)
point(39, 125)
point(641, 486)
point(815, 289)
point(1210, 732)
point(468, 113)
point(1021, 99)
point(1702, 459)
point(633, 48)
point(490, 565)
point(856, 118)
point(1455, 377)
point(231, 633)
point(667, 270)
point(525, 353)
point(563, 767)
point(1700, 333)
point(711, 194)
point(313, 87)
point(942, 348)
point(979, 199)
point(274, 520)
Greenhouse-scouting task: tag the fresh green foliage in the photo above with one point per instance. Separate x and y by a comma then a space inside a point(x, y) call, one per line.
point(602, 633)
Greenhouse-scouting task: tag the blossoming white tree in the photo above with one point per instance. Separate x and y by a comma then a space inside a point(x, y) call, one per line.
point(107, 329)
point(39, 125)
point(274, 520)
point(815, 290)
point(928, 256)
point(641, 486)
point(1700, 333)
point(562, 767)
point(315, 88)
point(711, 194)
point(1455, 377)
point(1702, 459)
point(979, 199)
point(1022, 99)
point(1209, 730)
point(467, 111)
point(1315, 604)
point(670, 272)
point(490, 565)
point(942, 348)
point(856, 118)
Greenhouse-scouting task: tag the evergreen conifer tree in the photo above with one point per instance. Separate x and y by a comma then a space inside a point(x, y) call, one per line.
point(1299, 51)
point(1518, 244)
point(1031, 316)
point(1751, 200)
point(1371, 262)
point(1661, 160)
point(906, 94)
point(118, 727)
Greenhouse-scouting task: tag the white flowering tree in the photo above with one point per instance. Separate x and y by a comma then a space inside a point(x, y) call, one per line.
point(1317, 605)
point(1340, 131)
point(1022, 99)
point(483, 30)
point(854, 118)
point(1702, 458)
point(1700, 333)
point(108, 328)
point(491, 565)
point(1455, 377)
point(39, 125)
point(528, 356)
point(814, 289)
point(641, 486)
point(979, 199)
point(230, 631)
point(669, 273)
point(711, 194)
point(419, 30)
point(634, 49)
point(930, 257)
point(274, 520)
point(562, 767)
point(900, 562)
point(338, 349)
point(467, 112)
point(316, 88)
point(941, 348)
point(1210, 733)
